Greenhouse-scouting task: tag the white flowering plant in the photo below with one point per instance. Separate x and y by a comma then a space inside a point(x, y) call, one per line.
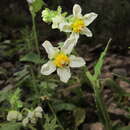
point(75, 24)
point(48, 91)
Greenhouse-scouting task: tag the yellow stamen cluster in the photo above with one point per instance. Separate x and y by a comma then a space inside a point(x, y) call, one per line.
point(61, 60)
point(77, 25)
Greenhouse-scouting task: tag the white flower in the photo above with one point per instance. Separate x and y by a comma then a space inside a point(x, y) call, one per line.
point(78, 23)
point(38, 112)
point(14, 115)
point(33, 116)
point(30, 1)
point(61, 60)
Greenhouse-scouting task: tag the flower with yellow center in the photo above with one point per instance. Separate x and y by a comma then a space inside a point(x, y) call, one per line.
point(78, 23)
point(60, 59)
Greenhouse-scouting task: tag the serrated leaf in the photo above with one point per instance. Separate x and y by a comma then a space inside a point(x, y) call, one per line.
point(32, 57)
point(98, 66)
point(80, 115)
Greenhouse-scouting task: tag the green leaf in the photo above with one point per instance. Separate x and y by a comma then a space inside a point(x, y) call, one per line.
point(37, 5)
point(10, 126)
point(90, 77)
point(64, 106)
point(79, 114)
point(50, 123)
point(33, 58)
point(20, 74)
point(15, 99)
point(98, 66)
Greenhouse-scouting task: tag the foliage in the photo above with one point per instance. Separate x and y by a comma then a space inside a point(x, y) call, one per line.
point(50, 123)
point(43, 101)
point(10, 126)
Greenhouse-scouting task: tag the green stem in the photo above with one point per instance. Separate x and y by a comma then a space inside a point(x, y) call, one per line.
point(50, 106)
point(35, 34)
point(101, 106)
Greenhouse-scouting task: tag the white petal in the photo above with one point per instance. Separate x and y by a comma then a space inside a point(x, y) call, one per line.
point(48, 68)
point(38, 114)
point(69, 45)
point(38, 109)
point(65, 27)
point(89, 18)
point(77, 10)
point(51, 51)
point(76, 61)
point(87, 32)
point(64, 74)
point(30, 114)
point(54, 25)
point(75, 35)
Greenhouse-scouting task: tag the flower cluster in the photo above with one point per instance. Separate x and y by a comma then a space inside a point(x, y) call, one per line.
point(33, 116)
point(61, 57)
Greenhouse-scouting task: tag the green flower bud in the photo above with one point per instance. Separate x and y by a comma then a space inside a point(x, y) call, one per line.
point(47, 15)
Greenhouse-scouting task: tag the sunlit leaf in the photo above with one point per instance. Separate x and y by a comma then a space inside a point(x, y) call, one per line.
point(98, 66)
point(90, 76)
